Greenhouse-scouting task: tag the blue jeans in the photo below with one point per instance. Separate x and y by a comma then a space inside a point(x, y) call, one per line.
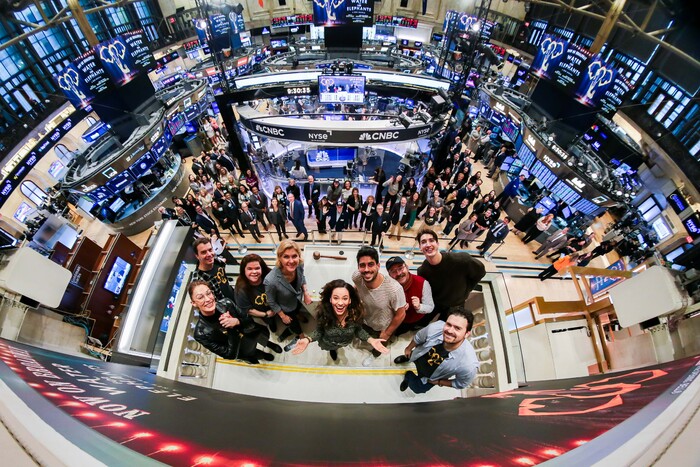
point(416, 385)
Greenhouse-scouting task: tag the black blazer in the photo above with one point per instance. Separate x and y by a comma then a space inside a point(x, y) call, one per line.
point(380, 223)
point(205, 224)
point(312, 195)
point(248, 217)
point(394, 214)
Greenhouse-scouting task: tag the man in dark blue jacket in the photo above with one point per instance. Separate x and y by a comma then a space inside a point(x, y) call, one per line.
point(296, 215)
point(497, 233)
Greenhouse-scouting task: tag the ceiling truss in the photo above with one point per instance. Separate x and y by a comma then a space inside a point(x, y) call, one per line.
point(625, 22)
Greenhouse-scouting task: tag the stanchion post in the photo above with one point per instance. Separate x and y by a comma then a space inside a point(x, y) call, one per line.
point(242, 249)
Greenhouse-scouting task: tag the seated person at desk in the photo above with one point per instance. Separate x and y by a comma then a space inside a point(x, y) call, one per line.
point(340, 316)
point(218, 330)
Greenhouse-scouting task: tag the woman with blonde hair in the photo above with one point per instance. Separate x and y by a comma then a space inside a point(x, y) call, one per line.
point(286, 289)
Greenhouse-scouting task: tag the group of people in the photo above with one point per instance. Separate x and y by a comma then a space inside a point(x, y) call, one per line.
point(236, 321)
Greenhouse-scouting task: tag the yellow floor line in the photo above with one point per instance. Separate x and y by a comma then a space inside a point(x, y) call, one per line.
point(317, 370)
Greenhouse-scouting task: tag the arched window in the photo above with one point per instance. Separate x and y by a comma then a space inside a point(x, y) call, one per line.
point(63, 153)
point(32, 191)
point(90, 120)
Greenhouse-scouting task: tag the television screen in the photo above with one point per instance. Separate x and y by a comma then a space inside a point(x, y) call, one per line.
point(438, 37)
point(404, 42)
point(143, 164)
point(359, 12)
point(507, 162)
point(692, 225)
point(566, 212)
point(417, 43)
point(117, 276)
point(334, 89)
point(278, 43)
point(117, 205)
point(121, 181)
point(546, 204)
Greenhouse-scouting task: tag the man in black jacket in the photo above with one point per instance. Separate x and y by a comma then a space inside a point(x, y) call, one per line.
point(250, 221)
point(258, 203)
point(497, 233)
point(398, 215)
point(232, 214)
point(457, 215)
point(205, 222)
point(312, 193)
point(380, 224)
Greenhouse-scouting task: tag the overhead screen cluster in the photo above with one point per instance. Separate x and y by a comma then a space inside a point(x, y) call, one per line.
point(108, 65)
point(583, 75)
point(343, 12)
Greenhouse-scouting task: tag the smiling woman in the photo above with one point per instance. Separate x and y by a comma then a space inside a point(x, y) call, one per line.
point(340, 315)
point(285, 287)
point(222, 329)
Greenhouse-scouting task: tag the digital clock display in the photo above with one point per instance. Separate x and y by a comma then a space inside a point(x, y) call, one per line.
point(298, 91)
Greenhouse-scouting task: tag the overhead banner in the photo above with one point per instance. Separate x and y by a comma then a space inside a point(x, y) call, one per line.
point(83, 80)
point(342, 136)
point(125, 56)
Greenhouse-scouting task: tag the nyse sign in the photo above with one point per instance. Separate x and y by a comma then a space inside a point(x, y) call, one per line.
point(550, 162)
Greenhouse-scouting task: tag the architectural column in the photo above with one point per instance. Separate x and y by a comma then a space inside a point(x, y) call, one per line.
point(608, 25)
point(83, 23)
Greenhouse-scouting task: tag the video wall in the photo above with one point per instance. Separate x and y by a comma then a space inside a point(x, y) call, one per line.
point(581, 74)
point(108, 65)
point(343, 12)
point(466, 22)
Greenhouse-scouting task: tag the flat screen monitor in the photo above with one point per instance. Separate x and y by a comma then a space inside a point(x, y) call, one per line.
point(677, 202)
point(117, 205)
point(526, 155)
point(692, 225)
point(507, 162)
point(117, 276)
point(119, 182)
point(566, 212)
point(546, 204)
point(404, 42)
point(143, 164)
point(417, 43)
point(278, 43)
point(438, 37)
point(341, 89)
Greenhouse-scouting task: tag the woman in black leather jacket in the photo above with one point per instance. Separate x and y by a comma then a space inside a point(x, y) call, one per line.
point(223, 330)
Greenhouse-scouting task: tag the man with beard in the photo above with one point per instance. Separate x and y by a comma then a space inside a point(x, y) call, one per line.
point(452, 276)
point(383, 298)
point(442, 355)
point(211, 269)
point(419, 298)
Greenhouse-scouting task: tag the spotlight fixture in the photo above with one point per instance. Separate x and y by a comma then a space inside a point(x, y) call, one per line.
point(423, 115)
point(405, 121)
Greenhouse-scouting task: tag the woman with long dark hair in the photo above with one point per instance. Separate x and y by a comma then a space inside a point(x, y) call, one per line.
point(250, 290)
point(339, 318)
point(277, 217)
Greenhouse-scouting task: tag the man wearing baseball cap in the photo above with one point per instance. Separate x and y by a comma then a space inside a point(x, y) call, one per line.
point(419, 296)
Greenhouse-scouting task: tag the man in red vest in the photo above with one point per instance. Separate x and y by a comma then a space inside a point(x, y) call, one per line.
point(419, 296)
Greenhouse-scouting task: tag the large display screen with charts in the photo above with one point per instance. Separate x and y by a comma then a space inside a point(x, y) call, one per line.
point(341, 89)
